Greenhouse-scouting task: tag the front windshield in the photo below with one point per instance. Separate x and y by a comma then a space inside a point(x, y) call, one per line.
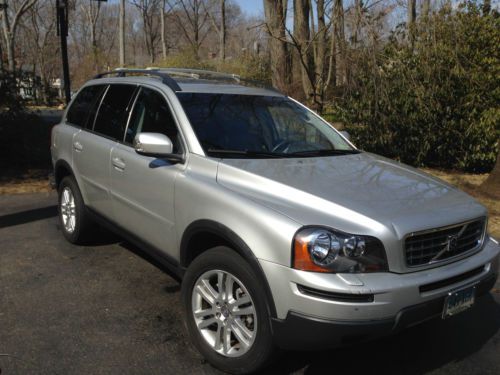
point(237, 125)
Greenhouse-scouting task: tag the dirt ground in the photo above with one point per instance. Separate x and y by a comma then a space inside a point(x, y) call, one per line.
point(470, 184)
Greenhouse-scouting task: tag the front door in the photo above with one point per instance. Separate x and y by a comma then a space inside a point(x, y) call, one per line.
point(142, 186)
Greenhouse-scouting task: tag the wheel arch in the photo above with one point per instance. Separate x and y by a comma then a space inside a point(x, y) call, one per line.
point(202, 235)
point(61, 170)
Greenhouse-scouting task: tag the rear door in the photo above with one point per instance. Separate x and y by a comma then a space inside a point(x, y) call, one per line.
point(143, 186)
point(92, 146)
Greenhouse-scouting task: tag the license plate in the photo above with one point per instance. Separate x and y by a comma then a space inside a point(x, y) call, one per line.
point(458, 301)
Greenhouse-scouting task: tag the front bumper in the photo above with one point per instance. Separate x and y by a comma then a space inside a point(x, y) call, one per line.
point(343, 307)
point(303, 332)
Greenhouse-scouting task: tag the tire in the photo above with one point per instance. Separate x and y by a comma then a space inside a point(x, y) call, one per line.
point(243, 353)
point(73, 218)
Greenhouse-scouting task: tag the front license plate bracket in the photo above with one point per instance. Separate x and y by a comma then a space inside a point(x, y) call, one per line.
point(458, 301)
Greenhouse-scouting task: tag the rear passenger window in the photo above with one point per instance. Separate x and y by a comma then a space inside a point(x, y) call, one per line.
point(87, 98)
point(151, 114)
point(112, 117)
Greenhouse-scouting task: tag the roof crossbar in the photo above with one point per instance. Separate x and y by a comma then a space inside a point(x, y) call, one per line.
point(165, 77)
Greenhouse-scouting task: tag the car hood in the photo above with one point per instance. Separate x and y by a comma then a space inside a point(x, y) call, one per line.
point(357, 193)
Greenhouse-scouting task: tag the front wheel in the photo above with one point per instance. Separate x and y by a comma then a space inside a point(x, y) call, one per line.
point(226, 312)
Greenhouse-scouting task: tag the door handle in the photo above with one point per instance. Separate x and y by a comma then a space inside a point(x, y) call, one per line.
point(77, 146)
point(118, 163)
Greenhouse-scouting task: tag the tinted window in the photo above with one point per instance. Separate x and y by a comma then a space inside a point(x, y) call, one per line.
point(251, 123)
point(151, 114)
point(84, 103)
point(113, 112)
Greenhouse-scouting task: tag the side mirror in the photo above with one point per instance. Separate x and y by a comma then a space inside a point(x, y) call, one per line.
point(346, 135)
point(153, 144)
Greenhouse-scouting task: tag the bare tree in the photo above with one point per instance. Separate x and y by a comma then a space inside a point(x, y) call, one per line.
point(163, 35)
point(191, 18)
point(220, 27)
point(338, 42)
point(122, 33)
point(39, 42)
point(11, 15)
point(275, 13)
point(426, 8)
point(149, 10)
point(411, 18)
point(358, 15)
point(91, 11)
point(301, 39)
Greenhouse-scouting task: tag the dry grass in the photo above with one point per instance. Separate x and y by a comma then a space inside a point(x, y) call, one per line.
point(470, 184)
point(33, 181)
point(29, 181)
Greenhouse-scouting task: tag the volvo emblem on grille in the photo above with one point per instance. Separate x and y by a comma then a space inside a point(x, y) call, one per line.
point(451, 244)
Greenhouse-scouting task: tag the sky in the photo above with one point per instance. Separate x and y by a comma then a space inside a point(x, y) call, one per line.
point(251, 7)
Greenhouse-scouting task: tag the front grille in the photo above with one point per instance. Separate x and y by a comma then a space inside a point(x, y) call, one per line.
point(439, 244)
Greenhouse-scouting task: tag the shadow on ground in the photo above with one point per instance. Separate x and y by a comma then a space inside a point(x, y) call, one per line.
point(417, 350)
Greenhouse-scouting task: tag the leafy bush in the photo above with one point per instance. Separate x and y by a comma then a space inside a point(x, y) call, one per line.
point(436, 103)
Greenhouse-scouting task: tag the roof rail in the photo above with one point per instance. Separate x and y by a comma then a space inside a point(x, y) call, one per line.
point(165, 78)
point(198, 73)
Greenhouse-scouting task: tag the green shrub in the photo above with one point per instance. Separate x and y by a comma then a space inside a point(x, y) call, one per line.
point(436, 103)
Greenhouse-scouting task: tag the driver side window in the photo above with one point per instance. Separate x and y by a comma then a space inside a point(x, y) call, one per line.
point(151, 114)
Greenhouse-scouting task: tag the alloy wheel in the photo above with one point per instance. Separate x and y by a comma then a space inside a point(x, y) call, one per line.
point(224, 313)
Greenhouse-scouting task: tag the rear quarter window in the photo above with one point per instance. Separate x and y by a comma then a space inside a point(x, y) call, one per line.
point(86, 100)
point(111, 119)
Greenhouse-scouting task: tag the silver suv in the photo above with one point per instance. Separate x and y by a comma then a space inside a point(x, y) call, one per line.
point(283, 233)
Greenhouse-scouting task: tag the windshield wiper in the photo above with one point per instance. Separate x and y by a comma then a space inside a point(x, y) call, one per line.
point(235, 153)
point(325, 152)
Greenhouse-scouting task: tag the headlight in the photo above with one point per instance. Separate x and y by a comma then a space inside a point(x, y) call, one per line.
point(323, 250)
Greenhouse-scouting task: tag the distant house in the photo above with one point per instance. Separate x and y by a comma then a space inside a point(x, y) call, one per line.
point(28, 84)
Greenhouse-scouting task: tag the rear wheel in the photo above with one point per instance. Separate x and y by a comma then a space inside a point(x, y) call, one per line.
point(75, 224)
point(226, 312)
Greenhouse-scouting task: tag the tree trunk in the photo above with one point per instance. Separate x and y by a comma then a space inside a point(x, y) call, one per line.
point(302, 41)
point(11, 62)
point(9, 30)
point(122, 33)
point(275, 13)
point(426, 8)
point(358, 8)
point(492, 184)
point(321, 82)
point(412, 16)
point(9, 40)
point(222, 34)
point(162, 30)
point(340, 46)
